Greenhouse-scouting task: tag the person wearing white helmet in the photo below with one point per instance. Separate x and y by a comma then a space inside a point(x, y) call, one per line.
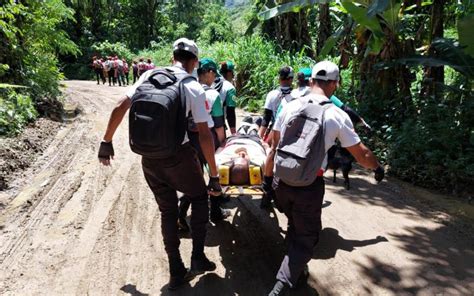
point(181, 171)
point(302, 204)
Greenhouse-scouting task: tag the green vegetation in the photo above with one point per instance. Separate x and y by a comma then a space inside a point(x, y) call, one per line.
point(31, 40)
point(406, 65)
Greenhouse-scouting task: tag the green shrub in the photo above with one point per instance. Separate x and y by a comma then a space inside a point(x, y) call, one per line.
point(16, 110)
point(104, 49)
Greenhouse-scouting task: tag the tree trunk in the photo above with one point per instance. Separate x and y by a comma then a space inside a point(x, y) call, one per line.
point(434, 76)
point(324, 26)
point(292, 31)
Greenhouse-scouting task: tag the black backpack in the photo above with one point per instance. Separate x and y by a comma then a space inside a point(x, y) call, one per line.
point(157, 117)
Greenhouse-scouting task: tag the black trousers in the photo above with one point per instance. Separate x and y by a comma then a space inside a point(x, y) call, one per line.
point(135, 76)
point(99, 75)
point(111, 76)
point(125, 75)
point(194, 141)
point(302, 206)
point(181, 172)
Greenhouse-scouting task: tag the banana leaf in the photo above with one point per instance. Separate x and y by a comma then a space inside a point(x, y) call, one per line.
point(294, 6)
point(448, 53)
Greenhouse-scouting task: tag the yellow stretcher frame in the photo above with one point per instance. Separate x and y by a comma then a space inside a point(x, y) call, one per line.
point(234, 190)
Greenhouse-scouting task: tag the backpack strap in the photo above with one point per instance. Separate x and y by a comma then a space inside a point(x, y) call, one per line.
point(162, 78)
point(182, 77)
point(218, 83)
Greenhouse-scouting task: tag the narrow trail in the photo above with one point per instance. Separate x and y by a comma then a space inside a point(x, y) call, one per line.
point(72, 226)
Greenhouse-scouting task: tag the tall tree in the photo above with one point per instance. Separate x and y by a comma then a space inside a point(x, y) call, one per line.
point(435, 75)
point(325, 29)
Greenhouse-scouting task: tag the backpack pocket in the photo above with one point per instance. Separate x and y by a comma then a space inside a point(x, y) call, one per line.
point(299, 135)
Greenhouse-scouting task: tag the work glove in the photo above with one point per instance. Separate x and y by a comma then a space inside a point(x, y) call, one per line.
point(379, 174)
point(106, 152)
point(267, 183)
point(213, 187)
point(268, 192)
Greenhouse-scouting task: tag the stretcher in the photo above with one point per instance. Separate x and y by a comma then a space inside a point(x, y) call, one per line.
point(257, 155)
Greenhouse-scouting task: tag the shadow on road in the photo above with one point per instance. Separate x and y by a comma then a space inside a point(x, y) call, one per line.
point(441, 265)
point(132, 290)
point(330, 242)
point(442, 256)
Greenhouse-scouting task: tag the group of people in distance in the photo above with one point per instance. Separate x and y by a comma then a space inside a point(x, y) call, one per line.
point(116, 70)
point(207, 101)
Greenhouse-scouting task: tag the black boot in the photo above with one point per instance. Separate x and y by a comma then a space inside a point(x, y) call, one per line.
point(217, 213)
point(178, 273)
point(200, 264)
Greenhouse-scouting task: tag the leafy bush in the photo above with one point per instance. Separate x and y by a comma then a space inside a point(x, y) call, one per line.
point(16, 110)
point(257, 63)
point(436, 148)
point(104, 49)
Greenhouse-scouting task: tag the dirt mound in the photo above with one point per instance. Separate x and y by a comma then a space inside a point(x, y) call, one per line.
point(17, 153)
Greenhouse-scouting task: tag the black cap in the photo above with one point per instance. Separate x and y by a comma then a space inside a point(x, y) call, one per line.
point(286, 72)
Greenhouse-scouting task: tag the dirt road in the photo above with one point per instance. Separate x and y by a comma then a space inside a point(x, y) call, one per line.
point(71, 226)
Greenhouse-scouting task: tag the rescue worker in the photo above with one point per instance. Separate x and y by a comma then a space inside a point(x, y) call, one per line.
point(275, 100)
point(302, 205)
point(180, 172)
point(224, 85)
point(206, 72)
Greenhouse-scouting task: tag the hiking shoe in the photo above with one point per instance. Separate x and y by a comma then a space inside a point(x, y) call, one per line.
point(183, 225)
point(179, 280)
point(279, 289)
point(219, 214)
point(201, 265)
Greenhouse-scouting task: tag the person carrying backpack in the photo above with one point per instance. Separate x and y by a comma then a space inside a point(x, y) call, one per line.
point(135, 71)
point(111, 71)
point(97, 66)
point(141, 67)
point(159, 104)
point(223, 84)
point(105, 70)
point(149, 65)
point(206, 72)
point(274, 101)
point(125, 71)
point(303, 133)
point(119, 71)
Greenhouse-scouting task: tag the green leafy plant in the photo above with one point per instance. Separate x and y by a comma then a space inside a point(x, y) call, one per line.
point(16, 110)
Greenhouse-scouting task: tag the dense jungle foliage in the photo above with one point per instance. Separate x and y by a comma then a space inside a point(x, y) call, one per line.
point(407, 65)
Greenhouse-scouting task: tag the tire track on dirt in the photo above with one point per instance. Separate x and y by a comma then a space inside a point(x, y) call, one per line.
point(35, 209)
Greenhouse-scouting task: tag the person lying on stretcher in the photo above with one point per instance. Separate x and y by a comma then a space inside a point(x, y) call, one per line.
point(242, 158)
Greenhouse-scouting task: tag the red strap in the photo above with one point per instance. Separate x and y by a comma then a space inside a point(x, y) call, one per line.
point(320, 173)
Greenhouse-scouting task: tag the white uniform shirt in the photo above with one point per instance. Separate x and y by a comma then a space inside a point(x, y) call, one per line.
point(211, 96)
point(193, 91)
point(300, 91)
point(275, 98)
point(337, 123)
